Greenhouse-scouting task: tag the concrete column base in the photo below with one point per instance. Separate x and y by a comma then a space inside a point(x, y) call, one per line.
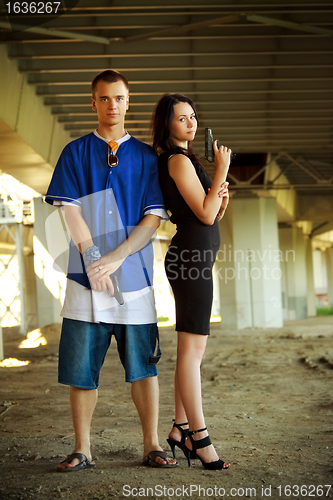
point(295, 275)
point(249, 265)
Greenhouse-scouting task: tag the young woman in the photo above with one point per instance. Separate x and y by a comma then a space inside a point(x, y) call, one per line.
point(196, 203)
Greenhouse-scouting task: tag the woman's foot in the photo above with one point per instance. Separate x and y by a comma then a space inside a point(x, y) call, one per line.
point(206, 454)
point(176, 434)
point(177, 438)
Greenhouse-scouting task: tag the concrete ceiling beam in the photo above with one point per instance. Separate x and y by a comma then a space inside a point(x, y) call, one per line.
point(289, 25)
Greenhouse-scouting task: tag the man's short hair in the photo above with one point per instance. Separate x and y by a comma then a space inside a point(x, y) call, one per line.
point(108, 76)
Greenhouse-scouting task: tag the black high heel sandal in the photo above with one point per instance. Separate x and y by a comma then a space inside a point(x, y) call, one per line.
point(181, 444)
point(197, 445)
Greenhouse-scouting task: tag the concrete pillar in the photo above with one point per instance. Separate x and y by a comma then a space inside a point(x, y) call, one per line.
point(329, 268)
point(22, 285)
point(1, 344)
point(50, 280)
point(249, 265)
point(294, 273)
point(311, 292)
point(224, 269)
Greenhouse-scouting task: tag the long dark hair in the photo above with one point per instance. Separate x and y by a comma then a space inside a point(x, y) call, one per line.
point(161, 121)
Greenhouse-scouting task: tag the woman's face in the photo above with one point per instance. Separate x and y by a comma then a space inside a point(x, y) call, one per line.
point(184, 124)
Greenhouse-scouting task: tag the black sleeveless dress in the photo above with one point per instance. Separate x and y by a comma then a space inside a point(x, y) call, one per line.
point(190, 256)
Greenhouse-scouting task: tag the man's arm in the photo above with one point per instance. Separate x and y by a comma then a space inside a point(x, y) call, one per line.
point(82, 239)
point(81, 236)
point(139, 238)
point(78, 228)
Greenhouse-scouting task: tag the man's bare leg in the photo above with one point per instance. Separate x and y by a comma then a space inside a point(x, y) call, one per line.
point(83, 403)
point(145, 395)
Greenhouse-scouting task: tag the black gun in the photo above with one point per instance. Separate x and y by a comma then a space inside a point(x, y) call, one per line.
point(209, 151)
point(117, 292)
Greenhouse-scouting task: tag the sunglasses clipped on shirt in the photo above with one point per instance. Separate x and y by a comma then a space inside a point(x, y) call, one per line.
point(112, 158)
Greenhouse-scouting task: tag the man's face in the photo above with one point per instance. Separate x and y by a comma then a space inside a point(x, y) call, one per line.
point(111, 103)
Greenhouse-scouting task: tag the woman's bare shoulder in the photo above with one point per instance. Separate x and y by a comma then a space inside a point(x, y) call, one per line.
point(178, 163)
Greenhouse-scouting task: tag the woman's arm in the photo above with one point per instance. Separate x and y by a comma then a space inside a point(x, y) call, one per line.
point(205, 207)
point(224, 194)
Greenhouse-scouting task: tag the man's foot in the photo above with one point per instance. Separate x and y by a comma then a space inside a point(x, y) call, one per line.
point(76, 461)
point(159, 458)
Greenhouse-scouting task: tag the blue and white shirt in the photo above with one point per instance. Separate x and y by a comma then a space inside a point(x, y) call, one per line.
point(113, 201)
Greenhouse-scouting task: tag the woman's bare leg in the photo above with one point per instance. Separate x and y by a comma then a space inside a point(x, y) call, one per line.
point(190, 350)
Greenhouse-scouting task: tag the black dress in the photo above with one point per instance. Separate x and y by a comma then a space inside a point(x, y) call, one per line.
point(190, 256)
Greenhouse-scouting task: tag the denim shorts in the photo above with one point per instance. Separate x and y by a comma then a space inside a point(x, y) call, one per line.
point(83, 347)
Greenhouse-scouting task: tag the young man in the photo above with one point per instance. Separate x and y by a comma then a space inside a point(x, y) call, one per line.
point(107, 184)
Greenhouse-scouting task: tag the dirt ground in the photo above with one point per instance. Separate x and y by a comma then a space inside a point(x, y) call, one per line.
point(268, 399)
